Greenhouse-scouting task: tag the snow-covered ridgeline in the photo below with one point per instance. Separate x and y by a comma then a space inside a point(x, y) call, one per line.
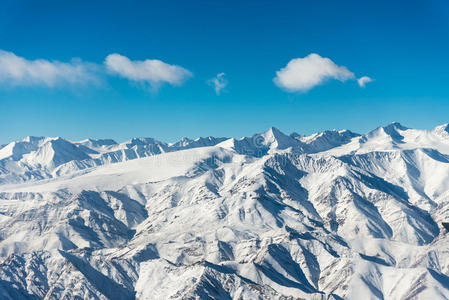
point(334, 214)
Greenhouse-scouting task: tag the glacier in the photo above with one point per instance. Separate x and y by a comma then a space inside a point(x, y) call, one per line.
point(332, 215)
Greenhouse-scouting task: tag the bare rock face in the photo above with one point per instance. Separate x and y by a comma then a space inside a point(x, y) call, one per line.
point(334, 215)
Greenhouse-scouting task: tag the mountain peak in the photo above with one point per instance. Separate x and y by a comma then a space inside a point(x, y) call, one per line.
point(395, 126)
point(274, 138)
point(274, 133)
point(274, 130)
point(442, 130)
point(31, 139)
point(295, 135)
point(390, 129)
point(184, 141)
point(142, 141)
point(390, 134)
point(443, 127)
point(326, 140)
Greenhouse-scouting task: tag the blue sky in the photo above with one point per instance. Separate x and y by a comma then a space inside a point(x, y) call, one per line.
point(402, 45)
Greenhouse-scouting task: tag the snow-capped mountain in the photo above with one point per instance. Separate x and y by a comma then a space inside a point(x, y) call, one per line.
point(334, 215)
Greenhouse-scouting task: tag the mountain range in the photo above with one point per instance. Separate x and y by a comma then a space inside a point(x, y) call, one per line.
point(333, 215)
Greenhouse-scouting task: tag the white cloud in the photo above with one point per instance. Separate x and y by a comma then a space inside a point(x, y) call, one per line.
point(302, 74)
point(362, 81)
point(16, 70)
point(219, 82)
point(152, 71)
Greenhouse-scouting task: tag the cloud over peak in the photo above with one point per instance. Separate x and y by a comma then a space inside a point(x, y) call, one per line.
point(18, 71)
point(152, 71)
point(302, 74)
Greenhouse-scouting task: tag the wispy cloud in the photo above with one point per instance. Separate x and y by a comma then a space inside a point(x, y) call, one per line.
point(151, 71)
point(219, 82)
point(362, 81)
point(302, 74)
point(19, 71)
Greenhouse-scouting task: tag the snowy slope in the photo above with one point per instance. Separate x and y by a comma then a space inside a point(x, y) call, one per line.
point(334, 215)
point(41, 158)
